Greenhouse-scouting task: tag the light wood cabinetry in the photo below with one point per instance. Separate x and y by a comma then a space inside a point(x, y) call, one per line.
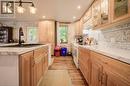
point(47, 33)
point(85, 63)
point(96, 13)
point(101, 70)
point(109, 72)
point(81, 26)
point(120, 9)
point(106, 13)
point(88, 15)
point(40, 64)
point(96, 74)
point(25, 69)
point(78, 27)
point(33, 66)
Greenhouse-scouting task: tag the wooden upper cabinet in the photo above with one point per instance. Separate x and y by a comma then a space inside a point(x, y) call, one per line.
point(88, 15)
point(78, 29)
point(120, 9)
point(81, 26)
point(96, 13)
point(105, 11)
point(46, 31)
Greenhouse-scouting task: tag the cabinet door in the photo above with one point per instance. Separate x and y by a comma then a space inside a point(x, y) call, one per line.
point(25, 69)
point(96, 13)
point(77, 28)
point(96, 74)
point(111, 78)
point(105, 11)
point(88, 15)
point(85, 63)
point(34, 75)
point(120, 9)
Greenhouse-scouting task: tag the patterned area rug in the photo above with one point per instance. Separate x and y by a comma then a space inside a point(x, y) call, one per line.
point(66, 63)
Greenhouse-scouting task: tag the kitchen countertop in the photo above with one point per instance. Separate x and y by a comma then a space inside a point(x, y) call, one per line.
point(17, 50)
point(119, 54)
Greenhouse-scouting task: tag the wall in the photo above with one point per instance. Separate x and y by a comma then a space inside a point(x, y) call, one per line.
point(17, 25)
point(114, 37)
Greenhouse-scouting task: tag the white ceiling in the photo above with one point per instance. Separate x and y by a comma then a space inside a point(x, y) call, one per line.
point(60, 10)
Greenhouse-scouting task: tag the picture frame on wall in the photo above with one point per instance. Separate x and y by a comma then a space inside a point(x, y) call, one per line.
point(7, 7)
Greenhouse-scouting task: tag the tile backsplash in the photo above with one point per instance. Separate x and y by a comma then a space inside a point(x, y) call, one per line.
point(115, 37)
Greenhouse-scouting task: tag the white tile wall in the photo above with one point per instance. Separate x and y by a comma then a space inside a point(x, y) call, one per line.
point(116, 37)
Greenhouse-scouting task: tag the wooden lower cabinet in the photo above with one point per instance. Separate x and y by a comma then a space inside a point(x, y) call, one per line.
point(85, 63)
point(109, 72)
point(33, 66)
point(101, 70)
point(96, 74)
point(25, 69)
point(111, 78)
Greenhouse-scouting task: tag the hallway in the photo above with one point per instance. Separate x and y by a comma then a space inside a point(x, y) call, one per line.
point(64, 73)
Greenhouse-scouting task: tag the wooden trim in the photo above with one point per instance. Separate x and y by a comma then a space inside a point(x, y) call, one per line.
point(112, 24)
point(55, 33)
point(20, 70)
point(64, 22)
point(46, 20)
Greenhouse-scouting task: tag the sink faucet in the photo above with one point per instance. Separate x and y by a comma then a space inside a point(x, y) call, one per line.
point(20, 35)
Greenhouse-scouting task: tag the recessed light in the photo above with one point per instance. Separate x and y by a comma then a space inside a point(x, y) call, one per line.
point(74, 17)
point(85, 18)
point(79, 7)
point(43, 17)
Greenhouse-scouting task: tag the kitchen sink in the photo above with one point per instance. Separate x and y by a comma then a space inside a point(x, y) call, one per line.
point(23, 45)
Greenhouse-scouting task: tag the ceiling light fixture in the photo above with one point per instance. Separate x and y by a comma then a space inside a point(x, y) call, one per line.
point(43, 17)
point(20, 8)
point(79, 7)
point(32, 9)
point(74, 17)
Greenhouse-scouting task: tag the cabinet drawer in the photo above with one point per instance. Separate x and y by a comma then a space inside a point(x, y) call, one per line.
point(84, 50)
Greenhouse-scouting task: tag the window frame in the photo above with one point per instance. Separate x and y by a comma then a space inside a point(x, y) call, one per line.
point(65, 25)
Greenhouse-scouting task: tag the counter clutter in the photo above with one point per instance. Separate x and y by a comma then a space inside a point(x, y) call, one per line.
point(119, 54)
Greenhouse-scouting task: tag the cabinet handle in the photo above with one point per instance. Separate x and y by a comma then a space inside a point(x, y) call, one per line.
point(104, 79)
point(99, 75)
point(33, 62)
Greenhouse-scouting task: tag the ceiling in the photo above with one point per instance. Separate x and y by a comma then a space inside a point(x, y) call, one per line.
point(59, 10)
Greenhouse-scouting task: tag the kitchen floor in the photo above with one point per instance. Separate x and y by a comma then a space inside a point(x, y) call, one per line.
point(63, 72)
